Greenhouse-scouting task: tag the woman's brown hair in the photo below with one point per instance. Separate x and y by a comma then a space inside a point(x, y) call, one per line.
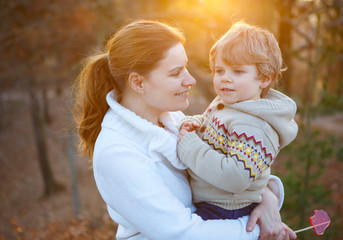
point(136, 47)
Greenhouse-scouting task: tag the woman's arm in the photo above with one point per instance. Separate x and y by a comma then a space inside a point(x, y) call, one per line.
point(267, 216)
point(130, 184)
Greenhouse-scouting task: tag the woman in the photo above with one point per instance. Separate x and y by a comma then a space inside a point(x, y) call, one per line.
point(130, 100)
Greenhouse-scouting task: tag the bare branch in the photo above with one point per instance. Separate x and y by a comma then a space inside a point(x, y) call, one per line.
point(335, 23)
point(302, 47)
point(300, 32)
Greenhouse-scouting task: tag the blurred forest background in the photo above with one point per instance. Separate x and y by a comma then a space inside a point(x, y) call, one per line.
point(47, 189)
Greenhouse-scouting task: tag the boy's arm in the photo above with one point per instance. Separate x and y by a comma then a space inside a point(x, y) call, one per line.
point(240, 165)
point(189, 124)
point(196, 119)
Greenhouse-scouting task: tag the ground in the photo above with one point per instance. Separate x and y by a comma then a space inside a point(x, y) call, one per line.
point(26, 214)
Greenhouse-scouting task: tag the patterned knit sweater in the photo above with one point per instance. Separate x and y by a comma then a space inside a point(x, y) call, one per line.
point(229, 157)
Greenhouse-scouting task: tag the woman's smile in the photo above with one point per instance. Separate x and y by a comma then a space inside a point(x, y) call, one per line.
point(184, 94)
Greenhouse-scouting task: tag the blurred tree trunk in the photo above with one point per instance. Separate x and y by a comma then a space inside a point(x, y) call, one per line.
point(285, 41)
point(2, 112)
point(40, 138)
point(46, 112)
point(69, 148)
point(335, 30)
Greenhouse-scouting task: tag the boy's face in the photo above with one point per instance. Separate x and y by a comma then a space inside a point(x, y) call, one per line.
point(236, 83)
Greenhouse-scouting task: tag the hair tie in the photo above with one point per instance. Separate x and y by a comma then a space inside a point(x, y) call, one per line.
point(108, 60)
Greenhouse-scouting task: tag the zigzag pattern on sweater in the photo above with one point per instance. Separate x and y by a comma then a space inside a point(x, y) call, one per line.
point(217, 123)
point(214, 145)
point(258, 163)
point(246, 167)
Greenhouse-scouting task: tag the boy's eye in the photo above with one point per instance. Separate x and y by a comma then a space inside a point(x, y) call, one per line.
point(238, 72)
point(218, 71)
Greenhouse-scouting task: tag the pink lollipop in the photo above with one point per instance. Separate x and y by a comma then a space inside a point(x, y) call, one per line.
point(319, 221)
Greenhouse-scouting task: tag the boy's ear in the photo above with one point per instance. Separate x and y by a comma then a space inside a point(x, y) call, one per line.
point(136, 82)
point(266, 82)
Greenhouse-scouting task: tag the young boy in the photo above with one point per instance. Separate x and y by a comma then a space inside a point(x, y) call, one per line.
point(229, 149)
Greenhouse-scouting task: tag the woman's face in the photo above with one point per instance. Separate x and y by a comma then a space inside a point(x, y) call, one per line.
point(166, 88)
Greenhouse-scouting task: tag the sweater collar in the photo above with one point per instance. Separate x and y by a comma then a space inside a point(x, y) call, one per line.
point(156, 139)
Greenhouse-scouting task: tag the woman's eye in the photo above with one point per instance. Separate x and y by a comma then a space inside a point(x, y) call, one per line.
point(175, 74)
point(179, 72)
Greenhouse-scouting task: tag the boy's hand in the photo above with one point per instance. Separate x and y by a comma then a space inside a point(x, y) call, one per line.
point(182, 133)
point(190, 126)
point(186, 128)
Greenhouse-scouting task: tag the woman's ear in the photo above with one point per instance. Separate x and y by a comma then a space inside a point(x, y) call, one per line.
point(136, 82)
point(266, 82)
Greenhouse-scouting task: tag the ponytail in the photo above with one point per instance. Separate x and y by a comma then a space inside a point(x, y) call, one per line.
point(94, 82)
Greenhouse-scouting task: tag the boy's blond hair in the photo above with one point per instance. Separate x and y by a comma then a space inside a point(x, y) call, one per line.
point(247, 44)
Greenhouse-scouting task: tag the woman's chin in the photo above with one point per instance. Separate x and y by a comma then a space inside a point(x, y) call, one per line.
point(179, 107)
point(184, 106)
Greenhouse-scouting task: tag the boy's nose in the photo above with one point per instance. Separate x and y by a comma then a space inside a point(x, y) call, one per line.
point(227, 78)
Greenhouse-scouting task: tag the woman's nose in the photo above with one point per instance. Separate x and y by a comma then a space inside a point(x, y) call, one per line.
point(189, 80)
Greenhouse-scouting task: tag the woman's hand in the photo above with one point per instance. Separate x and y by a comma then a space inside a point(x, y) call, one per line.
point(267, 216)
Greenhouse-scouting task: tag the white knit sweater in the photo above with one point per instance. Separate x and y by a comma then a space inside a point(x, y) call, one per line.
point(134, 168)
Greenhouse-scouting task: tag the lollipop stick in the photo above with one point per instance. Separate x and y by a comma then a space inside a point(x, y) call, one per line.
point(303, 229)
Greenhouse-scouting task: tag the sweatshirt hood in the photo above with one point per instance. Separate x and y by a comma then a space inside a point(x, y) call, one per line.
point(278, 110)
